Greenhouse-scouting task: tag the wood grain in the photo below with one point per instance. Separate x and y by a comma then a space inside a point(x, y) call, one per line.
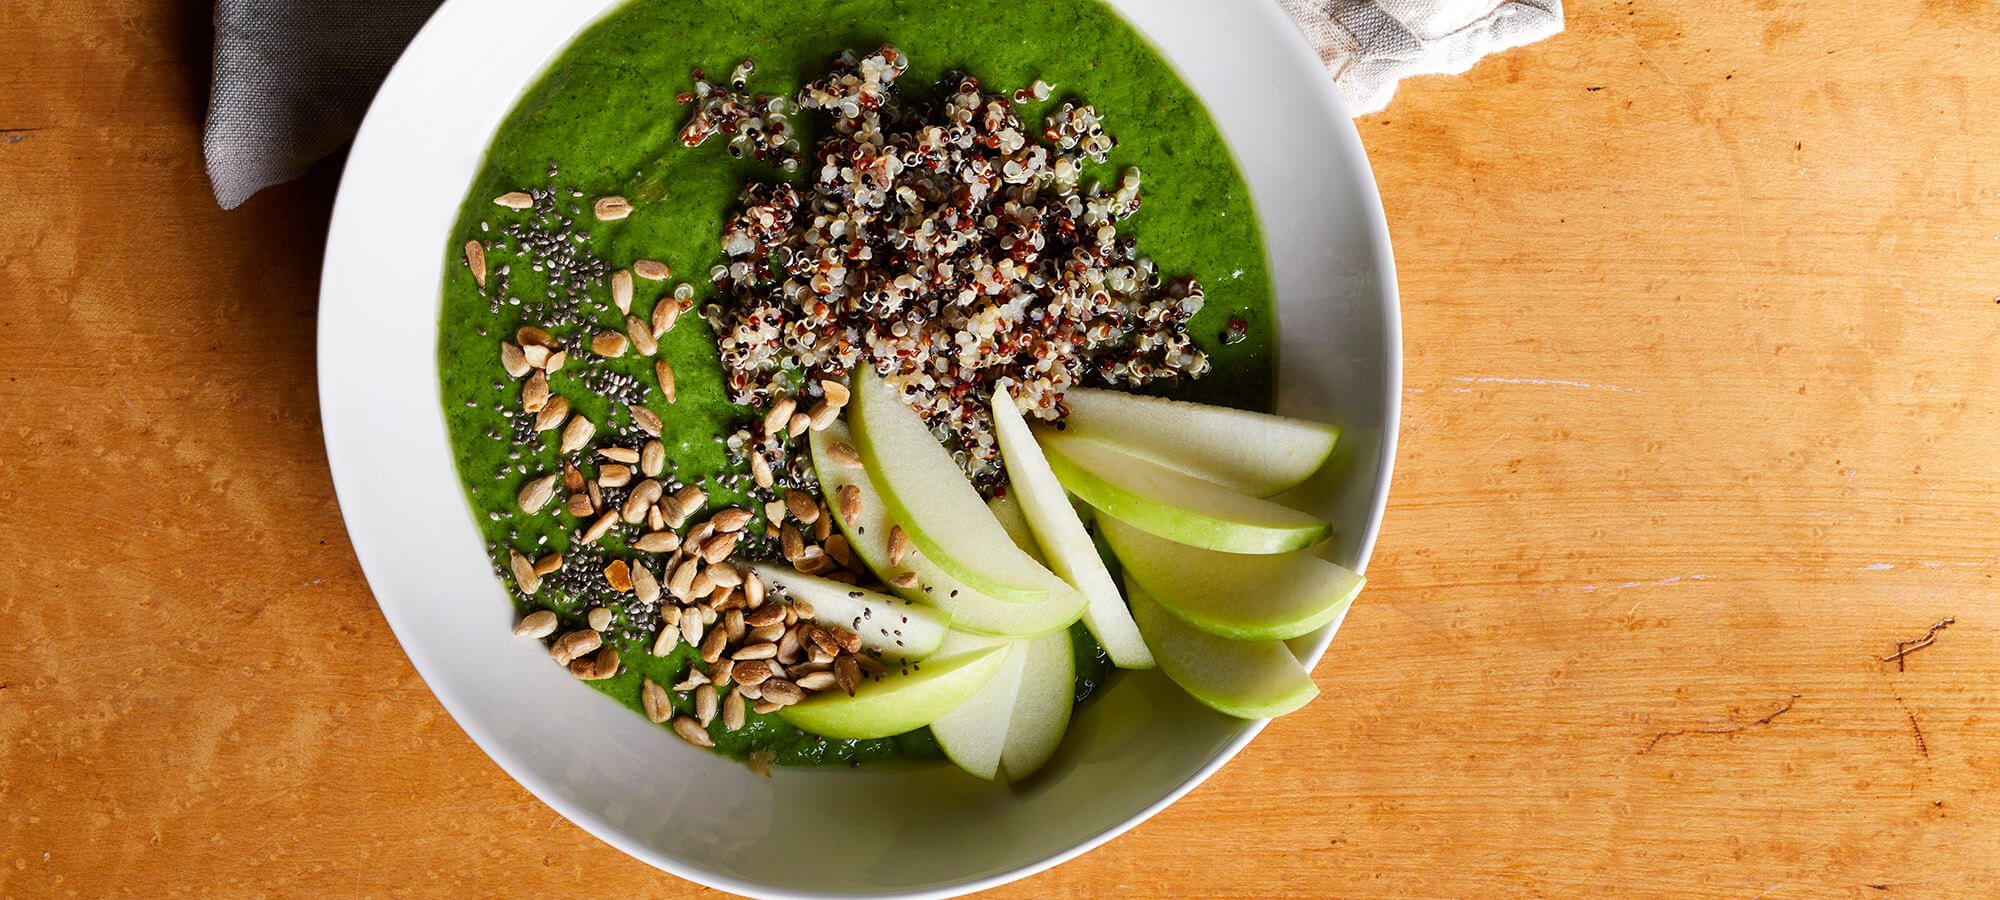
point(1703, 416)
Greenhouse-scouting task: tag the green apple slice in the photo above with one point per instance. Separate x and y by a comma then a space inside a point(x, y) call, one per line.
point(868, 534)
point(974, 735)
point(1239, 596)
point(929, 495)
point(1256, 453)
point(1245, 679)
point(1070, 551)
point(1042, 705)
point(899, 700)
point(1014, 724)
point(894, 627)
point(1174, 505)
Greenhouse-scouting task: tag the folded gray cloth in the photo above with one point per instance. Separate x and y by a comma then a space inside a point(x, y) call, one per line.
point(293, 77)
point(292, 81)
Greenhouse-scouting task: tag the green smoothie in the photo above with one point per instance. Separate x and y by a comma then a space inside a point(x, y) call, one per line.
point(604, 119)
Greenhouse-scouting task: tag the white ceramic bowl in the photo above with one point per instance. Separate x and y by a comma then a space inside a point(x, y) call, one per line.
point(925, 831)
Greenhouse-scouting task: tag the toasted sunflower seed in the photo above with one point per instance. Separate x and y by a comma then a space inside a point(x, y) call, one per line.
point(577, 434)
point(621, 290)
point(665, 314)
point(653, 460)
point(692, 732)
point(813, 560)
point(691, 498)
point(659, 706)
point(658, 542)
point(800, 504)
point(641, 497)
point(536, 493)
point(843, 453)
point(733, 711)
point(843, 554)
point(722, 671)
point(596, 667)
point(515, 200)
point(530, 336)
point(781, 692)
point(548, 564)
point(899, 545)
point(611, 208)
point(668, 638)
point(766, 707)
point(847, 639)
point(624, 455)
point(847, 674)
point(574, 644)
point(579, 505)
point(752, 672)
point(905, 580)
point(681, 584)
point(705, 703)
point(768, 614)
point(818, 681)
point(800, 423)
point(781, 413)
point(760, 469)
point(552, 415)
point(850, 502)
point(836, 393)
point(572, 478)
point(598, 528)
point(609, 344)
point(791, 543)
point(718, 550)
point(538, 624)
point(712, 645)
point(614, 475)
point(753, 590)
point(756, 651)
point(822, 415)
point(646, 419)
point(475, 259)
point(513, 360)
point(691, 626)
point(665, 372)
point(730, 519)
point(651, 269)
point(554, 362)
point(823, 526)
point(537, 356)
point(695, 678)
point(644, 585)
point(599, 618)
point(641, 336)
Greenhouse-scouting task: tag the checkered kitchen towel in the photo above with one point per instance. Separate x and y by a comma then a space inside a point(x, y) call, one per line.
point(293, 77)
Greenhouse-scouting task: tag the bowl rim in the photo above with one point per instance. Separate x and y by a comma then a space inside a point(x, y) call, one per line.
point(1386, 294)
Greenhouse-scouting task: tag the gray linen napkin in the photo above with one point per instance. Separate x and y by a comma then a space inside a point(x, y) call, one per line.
point(293, 77)
point(292, 80)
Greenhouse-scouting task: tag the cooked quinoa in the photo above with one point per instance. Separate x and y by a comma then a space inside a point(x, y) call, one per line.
point(940, 240)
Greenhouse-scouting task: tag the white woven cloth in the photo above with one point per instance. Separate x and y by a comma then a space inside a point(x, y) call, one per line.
point(1370, 45)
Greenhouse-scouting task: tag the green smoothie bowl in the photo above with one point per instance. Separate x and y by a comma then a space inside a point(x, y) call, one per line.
point(861, 447)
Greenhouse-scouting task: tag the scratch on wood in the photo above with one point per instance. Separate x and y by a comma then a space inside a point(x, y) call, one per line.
point(1905, 648)
point(1721, 729)
point(1916, 731)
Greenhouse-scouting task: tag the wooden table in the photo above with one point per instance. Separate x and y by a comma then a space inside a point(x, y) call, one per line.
point(1702, 418)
